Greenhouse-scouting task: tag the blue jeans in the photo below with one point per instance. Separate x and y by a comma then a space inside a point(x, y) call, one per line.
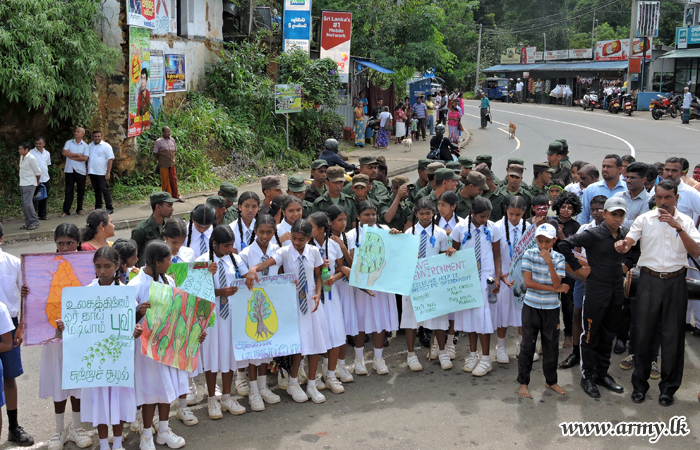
point(431, 119)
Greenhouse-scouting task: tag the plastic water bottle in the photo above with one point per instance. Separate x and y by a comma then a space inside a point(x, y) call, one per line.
point(325, 274)
point(493, 298)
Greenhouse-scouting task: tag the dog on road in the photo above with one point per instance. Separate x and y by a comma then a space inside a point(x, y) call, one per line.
point(511, 130)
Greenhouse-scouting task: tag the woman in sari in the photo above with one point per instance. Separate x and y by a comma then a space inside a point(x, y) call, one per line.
point(359, 125)
point(453, 119)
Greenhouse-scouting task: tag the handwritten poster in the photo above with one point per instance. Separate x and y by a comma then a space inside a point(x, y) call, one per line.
point(98, 340)
point(194, 278)
point(46, 274)
point(173, 325)
point(444, 284)
point(379, 252)
point(264, 320)
point(516, 272)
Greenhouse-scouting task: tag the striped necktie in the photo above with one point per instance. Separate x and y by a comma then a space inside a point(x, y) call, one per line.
point(423, 244)
point(202, 245)
point(477, 249)
point(516, 238)
point(247, 237)
point(223, 306)
point(264, 258)
point(303, 286)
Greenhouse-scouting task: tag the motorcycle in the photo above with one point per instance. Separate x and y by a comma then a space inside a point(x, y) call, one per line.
point(695, 109)
point(590, 101)
point(615, 103)
point(663, 106)
point(628, 105)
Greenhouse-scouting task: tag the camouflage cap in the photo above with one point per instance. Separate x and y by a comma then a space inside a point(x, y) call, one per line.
point(398, 181)
point(466, 162)
point(317, 164)
point(423, 163)
point(433, 167)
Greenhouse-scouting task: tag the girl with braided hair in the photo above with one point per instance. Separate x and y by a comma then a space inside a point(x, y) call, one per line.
point(175, 233)
point(292, 210)
point(479, 233)
point(244, 227)
point(202, 221)
point(447, 220)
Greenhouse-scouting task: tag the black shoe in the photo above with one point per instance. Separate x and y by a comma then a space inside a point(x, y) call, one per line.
point(696, 331)
point(22, 438)
point(570, 361)
point(386, 341)
point(620, 347)
point(689, 327)
point(110, 211)
point(609, 383)
point(638, 396)
point(590, 388)
point(665, 400)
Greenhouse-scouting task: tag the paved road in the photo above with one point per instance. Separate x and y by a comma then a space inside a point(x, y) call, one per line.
point(452, 409)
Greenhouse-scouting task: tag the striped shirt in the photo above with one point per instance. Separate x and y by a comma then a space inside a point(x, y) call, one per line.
point(536, 265)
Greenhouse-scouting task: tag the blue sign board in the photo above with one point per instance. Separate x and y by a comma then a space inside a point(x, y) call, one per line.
point(296, 31)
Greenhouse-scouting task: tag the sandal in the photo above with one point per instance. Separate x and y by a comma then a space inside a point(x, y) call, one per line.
point(65, 214)
point(32, 227)
point(80, 213)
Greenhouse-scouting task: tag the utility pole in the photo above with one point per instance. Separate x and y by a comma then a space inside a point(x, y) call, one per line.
point(544, 35)
point(593, 32)
point(633, 33)
point(478, 60)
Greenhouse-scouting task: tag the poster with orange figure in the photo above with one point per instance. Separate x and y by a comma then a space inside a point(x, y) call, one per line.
point(46, 274)
point(173, 325)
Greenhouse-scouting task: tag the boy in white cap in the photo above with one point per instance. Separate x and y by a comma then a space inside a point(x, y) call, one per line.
point(543, 270)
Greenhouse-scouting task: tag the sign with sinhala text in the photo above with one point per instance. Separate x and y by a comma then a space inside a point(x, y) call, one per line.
point(152, 14)
point(296, 26)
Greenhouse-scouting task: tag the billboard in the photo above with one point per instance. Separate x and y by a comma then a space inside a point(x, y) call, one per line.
point(511, 56)
point(581, 53)
point(619, 50)
point(336, 28)
point(139, 73)
point(527, 55)
point(556, 55)
point(296, 32)
point(648, 19)
point(151, 14)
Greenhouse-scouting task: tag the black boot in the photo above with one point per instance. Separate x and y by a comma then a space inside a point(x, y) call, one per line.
point(620, 347)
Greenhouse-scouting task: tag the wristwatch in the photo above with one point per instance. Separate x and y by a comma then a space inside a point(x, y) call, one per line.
point(681, 229)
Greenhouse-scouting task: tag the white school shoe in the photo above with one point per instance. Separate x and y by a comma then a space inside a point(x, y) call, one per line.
point(137, 425)
point(445, 361)
point(232, 406)
point(57, 440)
point(360, 368)
point(433, 354)
point(214, 409)
point(320, 385)
point(283, 379)
point(470, 363)
point(146, 443)
point(502, 355)
point(192, 395)
point(242, 386)
point(482, 369)
point(269, 396)
point(343, 375)
point(334, 385)
point(170, 439)
point(536, 356)
point(80, 437)
point(301, 376)
point(297, 393)
point(256, 402)
point(379, 366)
point(315, 396)
point(451, 350)
point(414, 364)
point(186, 416)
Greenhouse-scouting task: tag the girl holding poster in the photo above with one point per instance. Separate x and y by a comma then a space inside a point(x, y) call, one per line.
point(479, 233)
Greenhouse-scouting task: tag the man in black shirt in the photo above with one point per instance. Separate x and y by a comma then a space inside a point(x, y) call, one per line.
point(441, 142)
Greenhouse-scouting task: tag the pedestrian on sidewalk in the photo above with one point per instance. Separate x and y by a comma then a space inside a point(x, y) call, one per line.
point(420, 112)
point(429, 103)
point(164, 149)
point(100, 170)
point(484, 110)
point(43, 157)
point(29, 176)
point(444, 101)
point(519, 90)
point(76, 152)
point(359, 125)
point(687, 100)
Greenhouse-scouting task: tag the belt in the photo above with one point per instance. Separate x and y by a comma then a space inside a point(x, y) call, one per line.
point(664, 275)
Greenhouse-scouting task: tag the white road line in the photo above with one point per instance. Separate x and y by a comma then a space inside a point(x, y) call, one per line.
point(516, 139)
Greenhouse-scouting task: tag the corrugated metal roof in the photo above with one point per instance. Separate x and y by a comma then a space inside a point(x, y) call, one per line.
point(683, 53)
point(561, 67)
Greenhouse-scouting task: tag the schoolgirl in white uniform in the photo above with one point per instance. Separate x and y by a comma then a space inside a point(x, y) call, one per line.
point(448, 220)
point(292, 210)
point(202, 221)
point(244, 227)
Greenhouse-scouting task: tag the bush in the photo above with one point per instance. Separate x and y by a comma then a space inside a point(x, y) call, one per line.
point(309, 129)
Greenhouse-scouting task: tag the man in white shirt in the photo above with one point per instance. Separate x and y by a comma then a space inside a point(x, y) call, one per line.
point(667, 236)
point(43, 157)
point(519, 90)
point(687, 100)
point(29, 176)
point(688, 198)
point(99, 169)
point(76, 152)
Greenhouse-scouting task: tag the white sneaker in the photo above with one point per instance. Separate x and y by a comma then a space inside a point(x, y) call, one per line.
point(380, 366)
point(297, 393)
point(301, 376)
point(414, 364)
point(217, 390)
point(320, 385)
point(282, 380)
point(451, 350)
point(57, 440)
point(269, 396)
point(502, 355)
point(343, 375)
point(433, 354)
point(186, 416)
point(445, 361)
point(360, 368)
point(242, 386)
point(147, 443)
point(137, 425)
point(214, 409)
point(256, 402)
point(316, 396)
point(192, 395)
point(334, 385)
point(482, 369)
point(470, 363)
point(80, 437)
point(170, 439)
point(536, 356)
point(232, 406)
point(517, 349)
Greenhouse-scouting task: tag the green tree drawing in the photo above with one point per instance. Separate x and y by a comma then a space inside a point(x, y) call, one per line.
point(162, 347)
point(192, 345)
point(372, 254)
point(179, 339)
point(259, 310)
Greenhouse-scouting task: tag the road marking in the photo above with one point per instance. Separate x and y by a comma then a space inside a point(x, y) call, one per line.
point(516, 139)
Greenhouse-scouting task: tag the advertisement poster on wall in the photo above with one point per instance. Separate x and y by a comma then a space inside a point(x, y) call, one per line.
point(139, 72)
point(619, 50)
point(151, 14)
point(296, 32)
point(511, 56)
point(175, 74)
point(335, 40)
point(156, 82)
point(527, 55)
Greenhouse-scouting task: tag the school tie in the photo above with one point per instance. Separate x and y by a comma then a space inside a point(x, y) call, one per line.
point(516, 239)
point(247, 237)
point(202, 245)
point(264, 258)
point(223, 306)
point(423, 244)
point(302, 285)
point(477, 249)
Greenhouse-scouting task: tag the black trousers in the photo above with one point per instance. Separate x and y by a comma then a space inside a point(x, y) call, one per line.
point(655, 342)
point(623, 327)
point(421, 128)
point(443, 116)
point(601, 312)
point(666, 299)
point(567, 307)
point(74, 179)
point(40, 206)
point(101, 187)
point(535, 321)
point(483, 112)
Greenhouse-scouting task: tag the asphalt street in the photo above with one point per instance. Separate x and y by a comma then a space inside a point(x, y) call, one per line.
point(450, 409)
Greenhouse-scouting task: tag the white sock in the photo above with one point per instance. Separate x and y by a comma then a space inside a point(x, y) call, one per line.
point(441, 352)
point(182, 403)
point(60, 423)
point(520, 339)
point(262, 382)
point(311, 383)
point(254, 388)
point(162, 426)
point(293, 381)
point(450, 338)
point(486, 358)
point(147, 432)
point(225, 397)
point(378, 352)
point(212, 398)
point(360, 353)
point(330, 373)
point(411, 354)
point(341, 363)
point(104, 444)
point(473, 355)
point(501, 342)
point(76, 419)
point(117, 443)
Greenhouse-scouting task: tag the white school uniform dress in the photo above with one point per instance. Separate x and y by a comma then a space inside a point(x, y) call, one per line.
point(332, 304)
point(449, 225)
point(241, 242)
point(506, 312)
point(313, 327)
point(438, 245)
point(154, 382)
point(108, 405)
point(284, 227)
point(347, 300)
point(478, 320)
point(251, 256)
point(378, 313)
point(199, 243)
point(217, 348)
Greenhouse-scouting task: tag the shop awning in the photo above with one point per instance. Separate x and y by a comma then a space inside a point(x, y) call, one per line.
point(683, 53)
point(585, 66)
point(371, 65)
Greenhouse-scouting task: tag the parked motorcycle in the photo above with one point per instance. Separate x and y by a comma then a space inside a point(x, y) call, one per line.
point(663, 106)
point(615, 103)
point(627, 102)
point(590, 100)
